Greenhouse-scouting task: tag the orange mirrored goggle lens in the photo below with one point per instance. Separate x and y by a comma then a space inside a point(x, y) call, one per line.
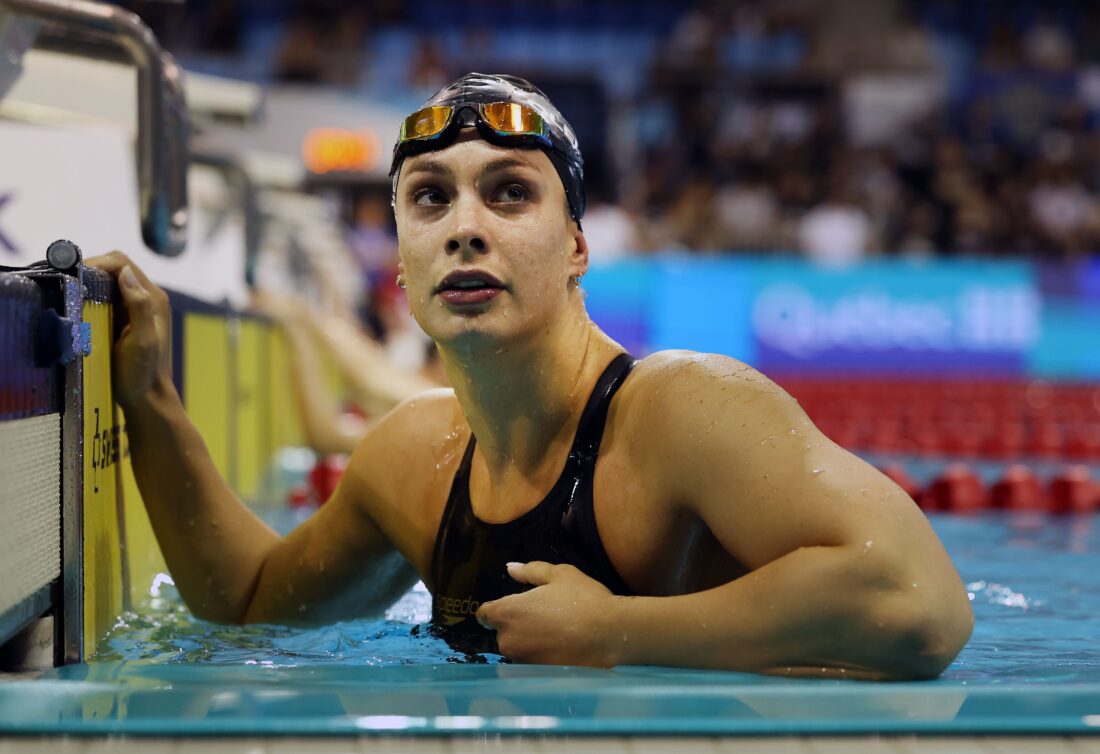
point(426, 123)
point(512, 118)
point(502, 117)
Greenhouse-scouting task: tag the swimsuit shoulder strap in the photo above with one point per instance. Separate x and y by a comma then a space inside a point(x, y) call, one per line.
point(458, 504)
point(590, 429)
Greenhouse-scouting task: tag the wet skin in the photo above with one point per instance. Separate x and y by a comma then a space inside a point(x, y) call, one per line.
point(758, 544)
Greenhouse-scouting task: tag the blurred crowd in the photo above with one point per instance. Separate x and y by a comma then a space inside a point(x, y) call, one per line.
point(838, 130)
point(869, 141)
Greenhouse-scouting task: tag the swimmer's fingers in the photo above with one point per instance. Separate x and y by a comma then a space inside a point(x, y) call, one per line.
point(139, 293)
point(115, 262)
point(143, 353)
point(535, 573)
point(485, 615)
point(494, 613)
point(561, 621)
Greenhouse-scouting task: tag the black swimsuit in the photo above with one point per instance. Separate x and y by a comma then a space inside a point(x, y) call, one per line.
point(468, 565)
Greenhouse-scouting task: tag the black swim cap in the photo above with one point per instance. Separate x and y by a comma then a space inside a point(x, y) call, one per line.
point(475, 89)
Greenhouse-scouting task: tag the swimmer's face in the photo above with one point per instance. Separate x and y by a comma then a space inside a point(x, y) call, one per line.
point(498, 216)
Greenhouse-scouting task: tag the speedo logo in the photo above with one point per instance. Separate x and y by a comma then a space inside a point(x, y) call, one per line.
point(455, 609)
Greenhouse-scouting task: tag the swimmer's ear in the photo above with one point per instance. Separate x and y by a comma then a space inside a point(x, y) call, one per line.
point(578, 257)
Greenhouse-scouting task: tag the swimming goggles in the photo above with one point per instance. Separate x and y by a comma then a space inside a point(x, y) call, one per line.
point(502, 123)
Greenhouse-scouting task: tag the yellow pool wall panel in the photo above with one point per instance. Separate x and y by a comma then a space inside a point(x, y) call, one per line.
point(206, 385)
point(251, 402)
point(144, 560)
point(237, 392)
point(103, 540)
point(286, 426)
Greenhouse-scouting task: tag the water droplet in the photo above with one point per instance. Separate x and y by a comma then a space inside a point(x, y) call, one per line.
point(815, 472)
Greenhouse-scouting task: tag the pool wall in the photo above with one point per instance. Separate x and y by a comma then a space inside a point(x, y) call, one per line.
point(232, 370)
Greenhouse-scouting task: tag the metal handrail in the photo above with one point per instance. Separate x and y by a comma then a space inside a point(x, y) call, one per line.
point(236, 175)
point(163, 132)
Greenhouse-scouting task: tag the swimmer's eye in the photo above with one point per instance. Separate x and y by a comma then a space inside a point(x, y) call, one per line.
point(511, 193)
point(429, 196)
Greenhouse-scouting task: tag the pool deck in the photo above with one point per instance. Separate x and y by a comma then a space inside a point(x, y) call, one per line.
point(648, 745)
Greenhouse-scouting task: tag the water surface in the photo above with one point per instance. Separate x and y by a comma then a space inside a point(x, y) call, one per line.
point(1034, 582)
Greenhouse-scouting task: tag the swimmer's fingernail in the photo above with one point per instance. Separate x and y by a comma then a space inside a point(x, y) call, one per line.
point(128, 278)
point(514, 564)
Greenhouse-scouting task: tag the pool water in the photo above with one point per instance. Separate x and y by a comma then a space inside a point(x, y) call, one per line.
point(1034, 582)
point(1031, 666)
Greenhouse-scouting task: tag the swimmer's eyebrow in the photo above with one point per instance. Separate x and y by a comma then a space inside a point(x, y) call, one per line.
point(504, 163)
point(435, 167)
point(429, 166)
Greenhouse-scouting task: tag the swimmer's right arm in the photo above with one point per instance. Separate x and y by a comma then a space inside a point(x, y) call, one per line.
point(228, 565)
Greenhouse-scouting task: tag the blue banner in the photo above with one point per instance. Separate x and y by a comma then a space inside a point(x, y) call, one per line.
point(934, 318)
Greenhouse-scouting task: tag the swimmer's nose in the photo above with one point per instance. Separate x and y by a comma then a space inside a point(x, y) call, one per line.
point(465, 242)
point(467, 234)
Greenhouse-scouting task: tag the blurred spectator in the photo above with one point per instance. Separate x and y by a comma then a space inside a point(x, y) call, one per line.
point(1047, 46)
point(920, 228)
point(299, 58)
point(371, 237)
point(1064, 210)
point(837, 232)
point(609, 229)
point(372, 240)
point(956, 129)
point(429, 69)
point(748, 213)
point(691, 221)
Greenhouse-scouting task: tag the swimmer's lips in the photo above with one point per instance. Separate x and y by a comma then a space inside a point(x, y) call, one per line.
point(469, 288)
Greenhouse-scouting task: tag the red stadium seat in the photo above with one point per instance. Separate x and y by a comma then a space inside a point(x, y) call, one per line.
point(1074, 491)
point(1018, 489)
point(1083, 442)
point(957, 490)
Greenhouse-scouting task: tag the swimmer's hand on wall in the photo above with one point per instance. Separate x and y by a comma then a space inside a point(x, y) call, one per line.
point(563, 620)
point(143, 354)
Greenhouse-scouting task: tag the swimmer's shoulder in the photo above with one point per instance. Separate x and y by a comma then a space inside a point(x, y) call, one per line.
point(417, 429)
point(672, 379)
point(400, 456)
point(401, 470)
point(678, 391)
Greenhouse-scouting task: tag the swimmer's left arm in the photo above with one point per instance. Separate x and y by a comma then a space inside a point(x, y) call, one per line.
point(847, 576)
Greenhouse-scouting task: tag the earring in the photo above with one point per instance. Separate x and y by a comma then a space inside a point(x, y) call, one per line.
point(577, 280)
point(400, 281)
